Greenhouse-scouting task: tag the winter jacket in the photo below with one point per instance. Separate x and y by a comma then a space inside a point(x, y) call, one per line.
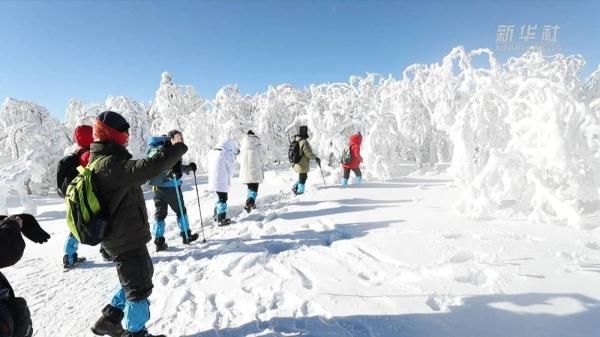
point(221, 164)
point(252, 160)
point(303, 166)
point(165, 179)
point(117, 183)
point(354, 143)
point(12, 244)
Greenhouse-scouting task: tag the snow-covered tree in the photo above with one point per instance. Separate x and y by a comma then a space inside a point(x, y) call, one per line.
point(28, 129)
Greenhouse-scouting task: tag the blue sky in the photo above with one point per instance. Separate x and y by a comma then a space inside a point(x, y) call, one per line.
point(51, 51)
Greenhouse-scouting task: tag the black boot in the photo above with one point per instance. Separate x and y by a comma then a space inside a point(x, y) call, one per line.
point(143, 333)
point(160, 244)
point(250, 205)
point(189, 238)
point(76, 261)
point(110, 322)
point(222, 220)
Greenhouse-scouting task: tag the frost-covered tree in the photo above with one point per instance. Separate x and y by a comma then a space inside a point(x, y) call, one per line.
point(173, 105)
point(135, 113)
point(524, 133)
point(28, 129)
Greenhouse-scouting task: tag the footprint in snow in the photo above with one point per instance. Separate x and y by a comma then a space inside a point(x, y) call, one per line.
point(593, 245)
point(306, 281)
point(452, 236)
point(462, 257)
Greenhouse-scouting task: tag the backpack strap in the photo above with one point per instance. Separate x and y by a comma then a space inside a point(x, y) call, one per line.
point(90, 166)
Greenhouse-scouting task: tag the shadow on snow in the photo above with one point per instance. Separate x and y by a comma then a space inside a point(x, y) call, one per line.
point(479, 316)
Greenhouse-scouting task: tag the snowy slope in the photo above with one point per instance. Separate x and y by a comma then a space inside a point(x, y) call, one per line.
point(383, 259)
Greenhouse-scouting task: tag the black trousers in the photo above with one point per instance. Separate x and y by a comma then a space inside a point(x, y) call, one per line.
point(356, 172)
point(302, 177)
point(165, 197)
point(135, 273)
point(222, 196)
point(253, 187)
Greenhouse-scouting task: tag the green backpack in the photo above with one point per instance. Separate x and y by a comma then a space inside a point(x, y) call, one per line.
point(84, 214)
point(346, 157)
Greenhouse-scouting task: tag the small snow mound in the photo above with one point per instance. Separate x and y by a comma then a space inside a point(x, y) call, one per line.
point(443, 302)
point(479, 277)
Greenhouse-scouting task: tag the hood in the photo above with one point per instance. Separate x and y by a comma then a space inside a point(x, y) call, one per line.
point(250, 141)
point(229, 145)
point(83, 136)
point(356, 139)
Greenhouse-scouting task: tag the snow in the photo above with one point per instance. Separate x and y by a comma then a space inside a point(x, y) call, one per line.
point(479, 216)
point(387, 258)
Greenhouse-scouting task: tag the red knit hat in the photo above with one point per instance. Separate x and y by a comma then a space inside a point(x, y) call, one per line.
point(110, 126)
point(83, 136)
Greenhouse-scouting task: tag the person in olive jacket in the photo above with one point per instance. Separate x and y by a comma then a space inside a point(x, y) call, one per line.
point(303, 166)
point(117, 182)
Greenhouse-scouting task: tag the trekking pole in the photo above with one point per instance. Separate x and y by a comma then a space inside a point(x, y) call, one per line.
point(199, 209)
point(322, 175)
point(183, 217)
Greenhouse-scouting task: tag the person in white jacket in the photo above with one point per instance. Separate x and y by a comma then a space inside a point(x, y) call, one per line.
point(252, 172)
point(221, 164)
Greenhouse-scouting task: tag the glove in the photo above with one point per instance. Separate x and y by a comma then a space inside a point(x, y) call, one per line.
point(318, 160)
point(32, 230)
point(193, 166)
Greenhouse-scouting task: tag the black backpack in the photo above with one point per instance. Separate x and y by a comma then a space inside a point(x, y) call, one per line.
point(66, 172)
point(294, 153)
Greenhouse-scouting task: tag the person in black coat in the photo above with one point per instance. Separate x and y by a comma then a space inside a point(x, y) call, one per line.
point(15, 319)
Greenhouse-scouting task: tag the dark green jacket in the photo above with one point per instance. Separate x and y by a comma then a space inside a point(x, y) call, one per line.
point(117, 182)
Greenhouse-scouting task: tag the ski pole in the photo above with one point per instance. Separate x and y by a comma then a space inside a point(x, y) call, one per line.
point(199, 209)
point(322, 175)
point(183, 217)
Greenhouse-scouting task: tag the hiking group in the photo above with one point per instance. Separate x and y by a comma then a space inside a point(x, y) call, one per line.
point(102, 187)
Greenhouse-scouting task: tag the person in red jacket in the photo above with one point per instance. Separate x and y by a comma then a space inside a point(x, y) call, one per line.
point(354, 165)
point(67, 171)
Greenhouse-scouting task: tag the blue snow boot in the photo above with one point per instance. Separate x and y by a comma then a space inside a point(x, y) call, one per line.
point(300, 189)
point(358, 181)
point(344, 182)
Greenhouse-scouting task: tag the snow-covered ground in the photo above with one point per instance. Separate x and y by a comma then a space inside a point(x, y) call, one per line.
point(383, 259)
